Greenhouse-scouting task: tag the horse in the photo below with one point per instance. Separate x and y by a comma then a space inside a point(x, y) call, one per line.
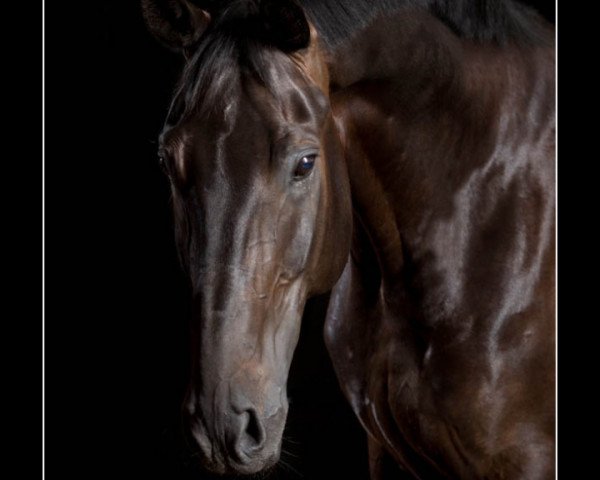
point(400, 155)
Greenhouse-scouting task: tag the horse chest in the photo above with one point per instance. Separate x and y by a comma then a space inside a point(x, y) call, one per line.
point(421, 407)
point(387, 383)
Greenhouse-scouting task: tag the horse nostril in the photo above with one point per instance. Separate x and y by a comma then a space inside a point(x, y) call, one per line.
point(253, 434)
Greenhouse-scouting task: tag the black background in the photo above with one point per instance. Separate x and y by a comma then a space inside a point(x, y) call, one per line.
point(117, 338)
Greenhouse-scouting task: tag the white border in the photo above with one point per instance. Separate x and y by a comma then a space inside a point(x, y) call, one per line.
point(43, 240)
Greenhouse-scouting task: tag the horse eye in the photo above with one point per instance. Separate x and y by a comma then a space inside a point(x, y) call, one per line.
point(304, 166)
point(163, 164)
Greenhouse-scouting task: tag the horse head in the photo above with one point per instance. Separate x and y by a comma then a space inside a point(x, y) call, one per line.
point(261, 205)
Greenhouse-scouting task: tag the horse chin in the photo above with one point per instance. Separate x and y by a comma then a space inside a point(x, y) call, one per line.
point(254, 466)
point(242, 466)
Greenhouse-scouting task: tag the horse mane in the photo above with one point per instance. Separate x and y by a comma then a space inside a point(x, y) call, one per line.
point(497, 21)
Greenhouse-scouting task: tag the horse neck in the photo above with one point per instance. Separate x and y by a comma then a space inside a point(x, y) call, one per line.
point(418, 111)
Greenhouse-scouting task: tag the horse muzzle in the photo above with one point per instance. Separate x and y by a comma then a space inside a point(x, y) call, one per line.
point(240, 436)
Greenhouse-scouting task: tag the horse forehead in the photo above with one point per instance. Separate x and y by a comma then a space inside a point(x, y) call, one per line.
point(284, 93)
point(261, 114)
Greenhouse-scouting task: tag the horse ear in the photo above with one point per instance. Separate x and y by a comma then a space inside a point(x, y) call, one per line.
point(285, 24)
point(177, 24)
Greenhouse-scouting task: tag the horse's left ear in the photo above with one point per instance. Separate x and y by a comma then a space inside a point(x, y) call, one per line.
point(285, 24)
point(177, 24)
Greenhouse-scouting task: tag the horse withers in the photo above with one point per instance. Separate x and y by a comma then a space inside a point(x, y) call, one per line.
point(399, 154)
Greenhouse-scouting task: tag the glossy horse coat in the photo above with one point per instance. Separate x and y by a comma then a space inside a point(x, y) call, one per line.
point(403, 161)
